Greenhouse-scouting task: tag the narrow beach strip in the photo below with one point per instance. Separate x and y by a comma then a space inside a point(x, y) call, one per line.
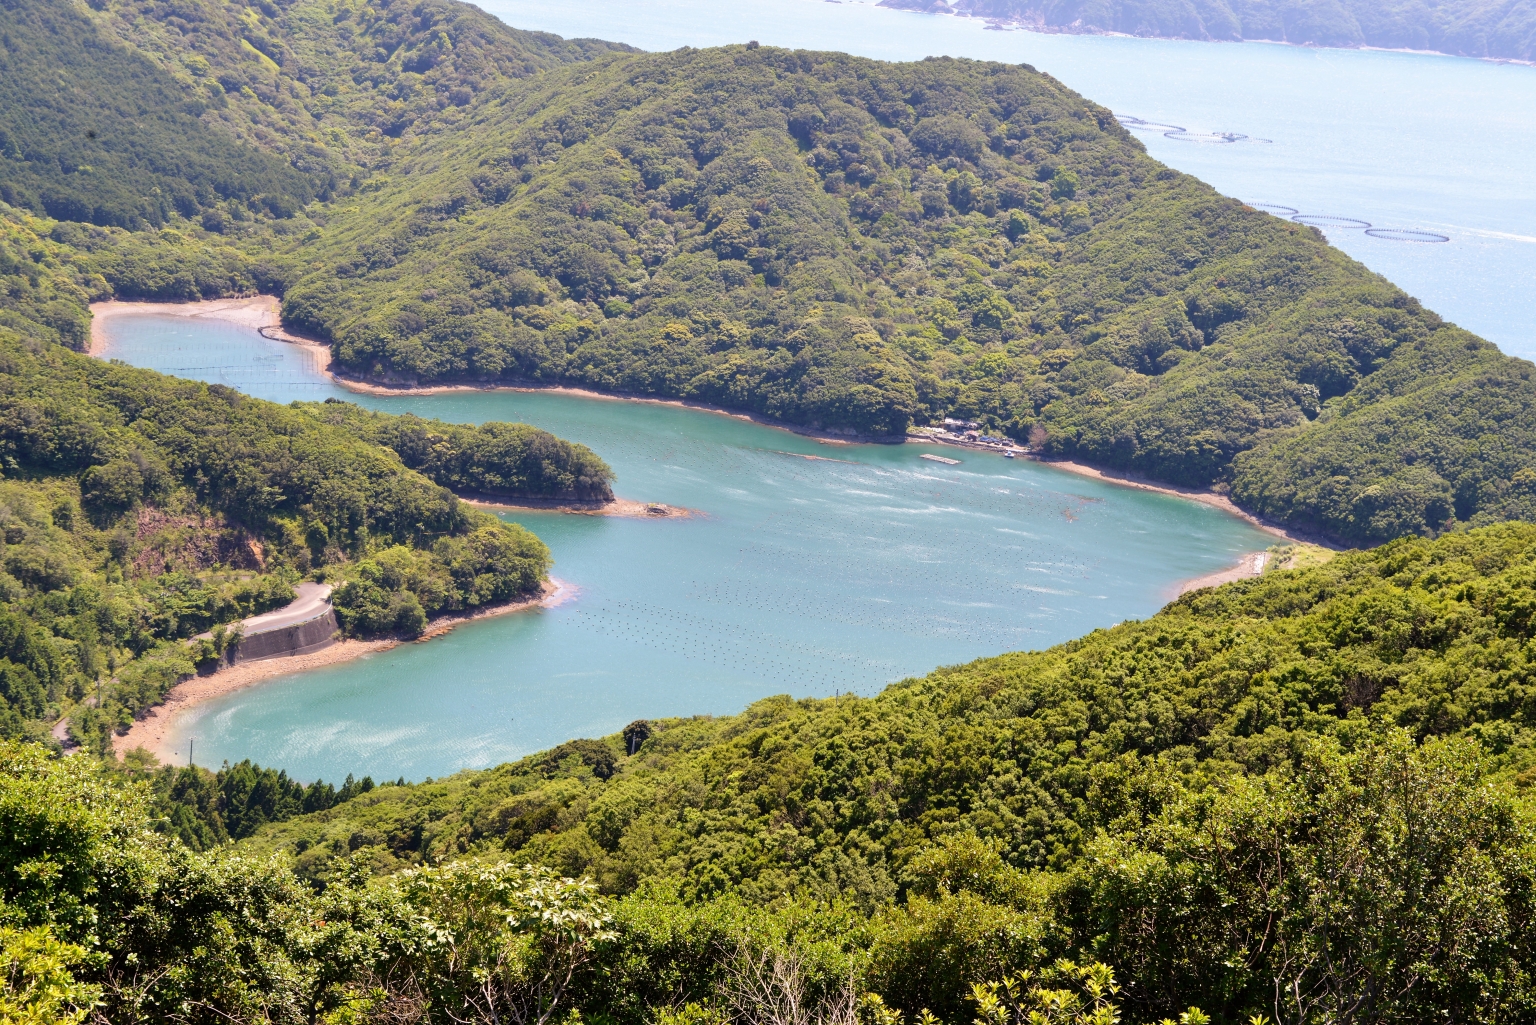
point(155, 731)
point(623, 507)
point(1250, 565)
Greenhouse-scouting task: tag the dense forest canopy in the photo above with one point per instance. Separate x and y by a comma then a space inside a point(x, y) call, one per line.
point(1469, 28)
point(492, 459)
point(1306, 796)
point(91, 130)
point(834, 242)
point(139, 511)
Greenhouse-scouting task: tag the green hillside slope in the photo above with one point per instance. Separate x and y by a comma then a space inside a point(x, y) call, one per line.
point(858, 246)
point(834, 242)
point(339, 80)
point(127, 112)
point(1470, 28)
point(1338, 757)
point(92, 130)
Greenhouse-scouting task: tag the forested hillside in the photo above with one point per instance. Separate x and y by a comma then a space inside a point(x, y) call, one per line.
point(1033, 751)
point(91, 130)
point(834, 242)
point(1470, 28)
point(1305, 796)
point(138, 511)
point(141, 510)
point(1302, 798)
point(859, 246)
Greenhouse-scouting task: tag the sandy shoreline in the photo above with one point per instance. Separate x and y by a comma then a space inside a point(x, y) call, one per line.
point(260, 313)
point(1251, 565)
point(1202, 495)
point(154, 731)
point(626, 508)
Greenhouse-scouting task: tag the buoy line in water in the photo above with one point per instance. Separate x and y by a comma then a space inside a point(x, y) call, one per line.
point(1137, 124)
point(1407, 235)
point(1410, 235)
point(1331, 221)
point(1179, 133)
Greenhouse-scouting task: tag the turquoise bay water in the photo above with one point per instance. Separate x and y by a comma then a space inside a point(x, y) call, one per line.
point(1398, 140)
point(812, 569)
point(866, 564)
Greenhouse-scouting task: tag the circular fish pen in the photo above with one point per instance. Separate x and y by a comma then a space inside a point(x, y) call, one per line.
point(1216, 138)
point(1329, 221)
point(1276, 209)
point(1407, 235)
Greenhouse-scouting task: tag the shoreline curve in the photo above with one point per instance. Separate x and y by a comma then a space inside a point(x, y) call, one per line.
point(263, 313)
point(155, 731)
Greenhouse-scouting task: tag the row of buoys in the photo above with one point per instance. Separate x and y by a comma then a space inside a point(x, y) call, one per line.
point(1181, 134)
point(1351, 224)
point(1178, 133)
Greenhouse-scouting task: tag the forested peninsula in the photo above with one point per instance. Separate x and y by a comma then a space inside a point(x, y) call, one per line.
point(832, 242)
point(1498, 29)
point(139, 511)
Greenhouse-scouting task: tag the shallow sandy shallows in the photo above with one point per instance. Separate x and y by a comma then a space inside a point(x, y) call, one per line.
point(626, 507)
point(260, 313)
point(153, 732)
point(1251, 565)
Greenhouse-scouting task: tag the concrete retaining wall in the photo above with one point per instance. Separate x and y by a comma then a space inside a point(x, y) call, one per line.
point(298, 639)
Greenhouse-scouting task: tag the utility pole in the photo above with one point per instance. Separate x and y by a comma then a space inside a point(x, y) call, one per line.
point(191, 742)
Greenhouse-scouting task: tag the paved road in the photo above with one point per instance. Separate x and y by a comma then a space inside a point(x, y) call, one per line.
point(313, 602)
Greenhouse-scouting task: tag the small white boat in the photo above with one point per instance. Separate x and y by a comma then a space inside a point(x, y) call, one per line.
point(1008, 454)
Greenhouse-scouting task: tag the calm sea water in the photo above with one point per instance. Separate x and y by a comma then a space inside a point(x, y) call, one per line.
point(812, 569)
point(1399, 141)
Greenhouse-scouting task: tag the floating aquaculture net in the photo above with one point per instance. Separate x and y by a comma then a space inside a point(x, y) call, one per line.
point(1137, 124)
point(1219, 138)
point(1329, 221)
point(1406, 235)
point(1179, 133)
point(1276, 209)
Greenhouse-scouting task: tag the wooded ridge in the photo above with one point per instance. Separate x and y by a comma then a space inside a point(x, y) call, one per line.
point(830, 241)
point(1303, 796)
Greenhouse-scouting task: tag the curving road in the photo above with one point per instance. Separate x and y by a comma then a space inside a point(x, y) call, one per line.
point(312, 603)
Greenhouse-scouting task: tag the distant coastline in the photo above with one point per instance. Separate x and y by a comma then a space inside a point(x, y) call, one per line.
point(1013, 25)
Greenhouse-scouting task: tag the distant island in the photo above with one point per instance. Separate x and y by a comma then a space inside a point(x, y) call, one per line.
point(1496, 29)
